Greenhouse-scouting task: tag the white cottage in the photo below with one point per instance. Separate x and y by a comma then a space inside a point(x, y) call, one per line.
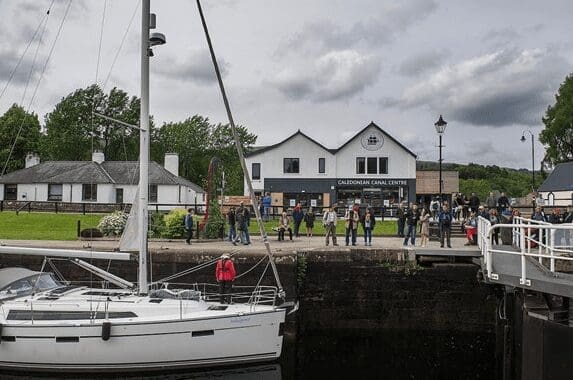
point(371, 168)
point(557, 189)
point(97, 181)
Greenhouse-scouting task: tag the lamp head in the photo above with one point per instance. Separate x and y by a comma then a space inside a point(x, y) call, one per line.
point(440, 125)
point(522, 139)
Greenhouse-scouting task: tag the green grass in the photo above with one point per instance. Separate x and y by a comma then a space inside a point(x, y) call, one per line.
point(381, 228)
point(43, 226)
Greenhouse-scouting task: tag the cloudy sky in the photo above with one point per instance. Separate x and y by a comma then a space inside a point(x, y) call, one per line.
point(326, 67)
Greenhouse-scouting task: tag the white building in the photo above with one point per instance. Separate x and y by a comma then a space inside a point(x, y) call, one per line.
point(371, 168)
point(97, 181)
point(557, 189)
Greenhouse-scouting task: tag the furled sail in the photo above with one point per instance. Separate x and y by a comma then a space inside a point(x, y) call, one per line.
point(130, 238)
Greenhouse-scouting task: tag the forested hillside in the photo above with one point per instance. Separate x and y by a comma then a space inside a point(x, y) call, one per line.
point(483, 179)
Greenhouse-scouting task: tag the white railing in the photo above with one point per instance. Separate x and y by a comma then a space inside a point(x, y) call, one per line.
point(549, 243)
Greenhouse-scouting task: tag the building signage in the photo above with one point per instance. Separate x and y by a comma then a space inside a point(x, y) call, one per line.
point(372, 182)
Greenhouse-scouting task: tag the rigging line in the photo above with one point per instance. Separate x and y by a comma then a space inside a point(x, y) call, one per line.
point(27, 109)
point(194, 269)
point(33, 63)
point(253, 267)
point(44, 20)
point(259, 282)
point(240, 152)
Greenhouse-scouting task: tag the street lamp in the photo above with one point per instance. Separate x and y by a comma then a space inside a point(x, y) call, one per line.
point(524, 139)
point(441, 128)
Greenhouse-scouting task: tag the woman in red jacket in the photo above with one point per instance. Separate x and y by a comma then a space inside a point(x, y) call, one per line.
point(225, 275)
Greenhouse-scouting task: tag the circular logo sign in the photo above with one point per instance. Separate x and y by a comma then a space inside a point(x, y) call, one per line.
point(372, 140)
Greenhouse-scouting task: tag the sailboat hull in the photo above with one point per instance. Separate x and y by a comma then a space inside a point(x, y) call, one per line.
point(226, 340)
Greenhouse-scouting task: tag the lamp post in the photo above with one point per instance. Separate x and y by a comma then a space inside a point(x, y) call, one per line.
point(440, 128)
point(524, 139)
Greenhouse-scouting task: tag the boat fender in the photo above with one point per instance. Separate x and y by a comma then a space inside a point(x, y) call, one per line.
point(105, 331)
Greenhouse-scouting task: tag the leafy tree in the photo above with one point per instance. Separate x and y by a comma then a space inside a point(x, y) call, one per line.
point(558, 133)
point(215, 221)
point(21, 130)
point(73, 132)
point(197, 141)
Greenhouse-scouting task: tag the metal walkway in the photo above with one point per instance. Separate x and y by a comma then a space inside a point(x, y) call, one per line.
point(540, 259)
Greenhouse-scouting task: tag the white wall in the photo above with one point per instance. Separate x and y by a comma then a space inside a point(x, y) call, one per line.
point(32, 192)
point(557, 198)
point(299, 147)
point(401, 164)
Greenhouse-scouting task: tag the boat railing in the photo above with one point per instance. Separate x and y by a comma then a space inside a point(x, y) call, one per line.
point(253, 295)
point(549, 243)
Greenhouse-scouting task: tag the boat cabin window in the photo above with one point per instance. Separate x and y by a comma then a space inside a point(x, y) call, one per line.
point(27, 286)
point(65, 315)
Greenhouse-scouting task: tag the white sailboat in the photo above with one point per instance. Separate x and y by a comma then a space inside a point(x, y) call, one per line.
point(47, 325)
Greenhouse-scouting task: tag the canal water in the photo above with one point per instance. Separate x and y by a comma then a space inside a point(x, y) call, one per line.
point(350, 355)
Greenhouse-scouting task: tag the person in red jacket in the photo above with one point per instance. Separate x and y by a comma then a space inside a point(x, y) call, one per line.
point(225, 275)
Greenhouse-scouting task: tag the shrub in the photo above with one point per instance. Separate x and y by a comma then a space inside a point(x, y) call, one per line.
point(215, 221)
point(174, 228)
point(113, 224)
point(157, 224)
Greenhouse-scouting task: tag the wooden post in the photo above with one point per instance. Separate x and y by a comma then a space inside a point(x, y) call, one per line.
point(79, 228)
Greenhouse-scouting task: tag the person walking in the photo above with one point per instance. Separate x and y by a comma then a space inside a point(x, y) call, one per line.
point(297, 217)
point(412, 218)
point(189, 225)
point(351, 223)
point(284, 225)
point(267, 201)
point(493, 219)
point(225, 275)
point(368, 223)
point(329, 220)
point(241, 214)
point(231, 221)
point(309, 218)
point(445, 223)
point(424, 226)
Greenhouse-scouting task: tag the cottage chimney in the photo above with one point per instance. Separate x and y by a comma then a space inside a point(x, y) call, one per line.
point(172, 163)
point(32, 159)
point(98, 157)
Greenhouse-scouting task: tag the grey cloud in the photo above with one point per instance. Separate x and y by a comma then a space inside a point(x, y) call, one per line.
point(333, 76)
point(8, 62)
point(379, 30)
point(497, 89)
point(503, 34)
point(196, 67)
point(422, 63)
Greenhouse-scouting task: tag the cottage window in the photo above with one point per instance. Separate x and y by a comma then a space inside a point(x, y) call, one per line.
point(10, 192)
point(55, 192)
point(291, 165)
point(152, 193)
point(89, 192)
point(322, 165)
point(372, 167)
point(256, 170)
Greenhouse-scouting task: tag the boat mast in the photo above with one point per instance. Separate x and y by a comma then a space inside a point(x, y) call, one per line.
point(241, 155)
point(144, 147)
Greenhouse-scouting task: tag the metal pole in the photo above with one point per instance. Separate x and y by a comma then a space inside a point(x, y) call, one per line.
point(144, 146)
point(441, 195)
point(532, 163)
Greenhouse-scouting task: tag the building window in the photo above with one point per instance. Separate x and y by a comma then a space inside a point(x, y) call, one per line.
point(152, 193)
point(383, 165)
point(55, 192)
point(291, 165)
point(360, 165)
point(256, 170)
point(372, 165)
point(89, 192)
point(322, 165)
point(10, 192)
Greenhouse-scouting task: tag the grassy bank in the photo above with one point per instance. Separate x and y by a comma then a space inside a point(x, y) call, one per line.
point(43, 226)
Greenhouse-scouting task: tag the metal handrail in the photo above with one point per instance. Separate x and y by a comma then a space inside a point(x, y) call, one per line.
point(527, 234)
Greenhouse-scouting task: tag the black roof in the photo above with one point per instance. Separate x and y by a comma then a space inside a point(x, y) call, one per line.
point(560, 179)
point(116, 172)
point(257, 150)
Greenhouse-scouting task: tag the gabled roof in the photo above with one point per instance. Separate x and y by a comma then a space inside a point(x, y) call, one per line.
point(258, 150)
point(561, 179)
point(372, 124)
point(115, 172)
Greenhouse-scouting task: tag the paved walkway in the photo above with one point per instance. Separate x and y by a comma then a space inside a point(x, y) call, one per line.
point(257, 246)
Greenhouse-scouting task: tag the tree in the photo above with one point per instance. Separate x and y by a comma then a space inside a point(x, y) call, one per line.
point(558, 133)
point(196, 142)
point(73, 132)
point(19, 133)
